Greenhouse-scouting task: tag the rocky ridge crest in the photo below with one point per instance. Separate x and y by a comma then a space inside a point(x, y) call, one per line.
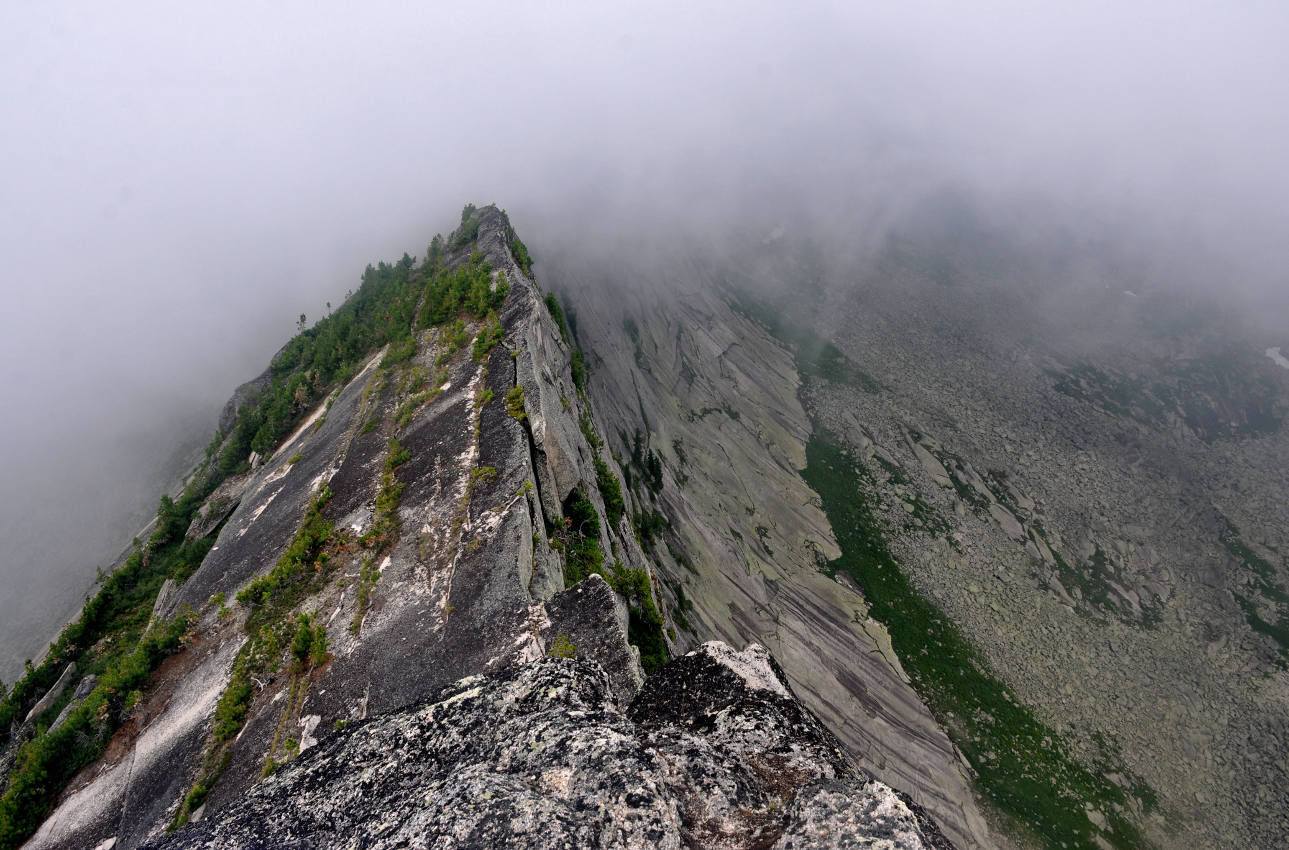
point(714, 752)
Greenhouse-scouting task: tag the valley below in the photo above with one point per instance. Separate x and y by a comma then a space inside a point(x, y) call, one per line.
point(1087, 507)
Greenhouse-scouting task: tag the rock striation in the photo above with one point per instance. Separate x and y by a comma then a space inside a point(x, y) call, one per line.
point(714, 397)
point(714, 752)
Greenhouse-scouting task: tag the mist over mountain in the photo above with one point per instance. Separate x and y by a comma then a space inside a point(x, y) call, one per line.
point(1052, 239)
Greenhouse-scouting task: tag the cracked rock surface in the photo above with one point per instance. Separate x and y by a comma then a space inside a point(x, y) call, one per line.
point(714, 752)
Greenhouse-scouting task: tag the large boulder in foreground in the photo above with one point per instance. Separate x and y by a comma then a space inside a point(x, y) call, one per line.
point(714, 752)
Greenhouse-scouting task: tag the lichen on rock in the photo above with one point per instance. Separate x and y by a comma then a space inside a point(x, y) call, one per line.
point(715, 751)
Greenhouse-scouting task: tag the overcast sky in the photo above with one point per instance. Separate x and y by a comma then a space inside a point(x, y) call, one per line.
point(180, 181)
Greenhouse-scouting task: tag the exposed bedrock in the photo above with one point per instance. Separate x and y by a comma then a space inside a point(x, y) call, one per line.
point(714, 752)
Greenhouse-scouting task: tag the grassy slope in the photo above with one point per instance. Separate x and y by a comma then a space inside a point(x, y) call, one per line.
point(1022, 767)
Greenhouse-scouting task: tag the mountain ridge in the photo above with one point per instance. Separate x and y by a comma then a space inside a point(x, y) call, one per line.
point(370, 526)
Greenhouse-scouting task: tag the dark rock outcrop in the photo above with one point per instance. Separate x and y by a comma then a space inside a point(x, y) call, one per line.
point(714, 752)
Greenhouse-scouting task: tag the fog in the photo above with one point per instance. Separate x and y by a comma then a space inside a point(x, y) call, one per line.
point(180, 182)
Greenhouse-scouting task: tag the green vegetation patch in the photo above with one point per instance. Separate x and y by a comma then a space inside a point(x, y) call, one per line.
point(644, 622)
point(1220, 396)
point(293, 575)
point(649, 526)
point(557, 313)
point(399, 352)
point(113, 641)
point(520, 252)
point(683, 605)
point(379, 313)
point(1265, 584)
point(467, 287)
point(1022, 766)
point(489, 336)
point(469, 230)
point(816, 357)
point(610, 491)
point(45, 764)
point(562, 647)
point(273, 636)
point(577, 367)
point(515, 403)
point(645, 463)
point(396, 455)
point(384, 531)
point(577, 538)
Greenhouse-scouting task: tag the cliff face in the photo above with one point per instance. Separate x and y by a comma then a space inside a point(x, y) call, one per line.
point(712, 395)
point(419, 529)
point(1059, 502)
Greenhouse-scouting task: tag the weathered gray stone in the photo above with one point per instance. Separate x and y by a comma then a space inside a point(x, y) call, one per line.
point(83, 689)
point(715, 752)
point(51, 696)
point(218, 506)
point(244, 394)
point(716, 397)
point(1007, 522)
point(165, 598)
point(469, 585)
point(930, 465)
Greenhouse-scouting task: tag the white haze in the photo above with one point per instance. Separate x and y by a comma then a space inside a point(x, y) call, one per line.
point(181, 181)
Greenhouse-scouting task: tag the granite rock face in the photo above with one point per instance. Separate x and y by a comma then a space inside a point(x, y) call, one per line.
point(46, 702)
point(714, 752)
point(471, 584)
point(713, 396)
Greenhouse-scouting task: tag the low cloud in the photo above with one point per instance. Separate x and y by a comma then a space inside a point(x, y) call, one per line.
point(182, 182)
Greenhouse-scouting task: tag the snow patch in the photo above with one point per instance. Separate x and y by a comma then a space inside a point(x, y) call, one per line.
point(1277, 358)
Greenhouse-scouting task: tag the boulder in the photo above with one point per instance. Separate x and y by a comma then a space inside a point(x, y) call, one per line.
point(1007, 522)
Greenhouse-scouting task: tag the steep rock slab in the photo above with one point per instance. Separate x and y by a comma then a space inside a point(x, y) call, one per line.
point(122, 796)
point(715, 752)
point(715, 397)
point(470, 584)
